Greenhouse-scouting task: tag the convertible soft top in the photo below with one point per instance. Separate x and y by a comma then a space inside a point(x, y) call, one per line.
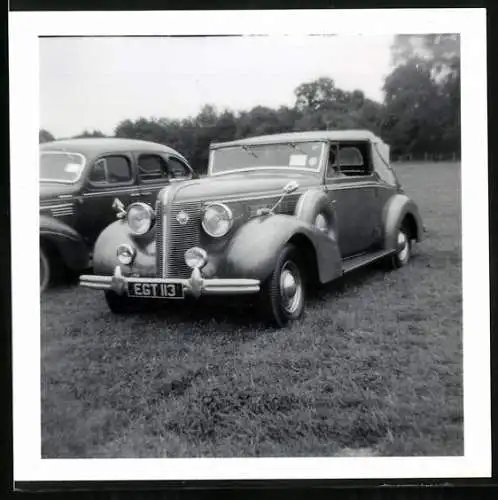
point(314, 135)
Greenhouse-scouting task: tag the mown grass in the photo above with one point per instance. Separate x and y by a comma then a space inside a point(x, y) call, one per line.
point(375, 366)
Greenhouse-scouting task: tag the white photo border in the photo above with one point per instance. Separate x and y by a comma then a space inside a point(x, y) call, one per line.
point(24, 30)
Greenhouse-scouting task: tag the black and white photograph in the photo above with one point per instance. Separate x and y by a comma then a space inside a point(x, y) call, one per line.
point(258, 238)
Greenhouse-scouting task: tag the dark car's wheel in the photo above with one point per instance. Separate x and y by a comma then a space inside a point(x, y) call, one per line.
point(120, 304)
point(44, 270)
point(283, 294)
point(403, 248)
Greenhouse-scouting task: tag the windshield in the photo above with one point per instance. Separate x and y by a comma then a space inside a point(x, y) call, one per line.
point(59, 166)
point(299, 155)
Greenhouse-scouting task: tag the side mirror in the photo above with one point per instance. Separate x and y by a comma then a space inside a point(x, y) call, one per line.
point(291, 187)
point(119, 208)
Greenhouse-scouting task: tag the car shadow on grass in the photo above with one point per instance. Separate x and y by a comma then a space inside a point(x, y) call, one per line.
point(242, 314)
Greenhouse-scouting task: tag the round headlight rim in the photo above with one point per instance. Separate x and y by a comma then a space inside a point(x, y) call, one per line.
point(149, 209)
point(228, 211)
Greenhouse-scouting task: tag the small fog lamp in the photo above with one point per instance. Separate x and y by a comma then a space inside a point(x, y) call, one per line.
point(125, 253)
point(195, 257)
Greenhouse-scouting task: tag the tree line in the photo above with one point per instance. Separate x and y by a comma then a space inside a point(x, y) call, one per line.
point(419, 117)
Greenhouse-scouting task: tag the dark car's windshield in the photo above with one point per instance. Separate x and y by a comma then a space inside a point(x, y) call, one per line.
point(300, 155)
point(59, 166)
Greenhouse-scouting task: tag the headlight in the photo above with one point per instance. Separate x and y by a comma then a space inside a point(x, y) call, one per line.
point(140, 217)
point(125, 253)
point(217, 220)
point(195, 257)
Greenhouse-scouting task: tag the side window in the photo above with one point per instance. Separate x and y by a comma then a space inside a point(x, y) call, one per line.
point(177, 169)
point(332, 163)
point(352, 162)
point(111, 170)
point(152, 167)
point(383, 169)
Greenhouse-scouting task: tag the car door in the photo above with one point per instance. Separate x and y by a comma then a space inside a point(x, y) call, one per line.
point(156, 170)
point(350, 183)
point(110, 176)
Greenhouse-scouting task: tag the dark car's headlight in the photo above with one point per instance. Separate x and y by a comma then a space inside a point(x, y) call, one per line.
point(217, 220)
point(140, 217)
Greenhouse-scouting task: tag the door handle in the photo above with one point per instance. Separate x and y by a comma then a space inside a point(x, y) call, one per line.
point(135, 194)
point(147, 193)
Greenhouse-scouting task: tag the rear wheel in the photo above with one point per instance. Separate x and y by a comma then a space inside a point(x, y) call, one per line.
point(283, 294)
point(403, 248)
point(44, 270)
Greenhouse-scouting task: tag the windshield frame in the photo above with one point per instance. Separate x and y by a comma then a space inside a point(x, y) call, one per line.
point(315, 170)
point(63, 152)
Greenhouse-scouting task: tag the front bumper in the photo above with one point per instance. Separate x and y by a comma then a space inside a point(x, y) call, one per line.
point(195, 286)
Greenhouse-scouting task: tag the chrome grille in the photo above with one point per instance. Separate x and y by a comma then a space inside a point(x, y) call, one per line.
point(59, 210)
point(181, 237)
point(159, 238)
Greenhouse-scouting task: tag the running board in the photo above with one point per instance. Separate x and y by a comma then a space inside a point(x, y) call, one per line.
point(352, 263)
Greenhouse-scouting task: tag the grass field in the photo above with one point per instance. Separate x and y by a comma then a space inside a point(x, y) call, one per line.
point(374, 368)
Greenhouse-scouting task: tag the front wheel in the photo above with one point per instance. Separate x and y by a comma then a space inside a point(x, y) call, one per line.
point(119, 304)
point(44, 270)
point(283, 294)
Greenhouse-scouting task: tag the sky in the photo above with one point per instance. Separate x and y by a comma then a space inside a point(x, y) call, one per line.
point(94, 83)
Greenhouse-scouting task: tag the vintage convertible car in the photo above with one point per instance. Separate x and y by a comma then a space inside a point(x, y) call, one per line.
point(79, 178)
point(275, 213)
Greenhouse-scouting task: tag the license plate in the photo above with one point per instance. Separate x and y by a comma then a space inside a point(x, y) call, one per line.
point(156, 290)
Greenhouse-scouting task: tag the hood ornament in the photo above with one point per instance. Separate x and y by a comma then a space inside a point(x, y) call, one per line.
point(182, 217)
point(119, 208)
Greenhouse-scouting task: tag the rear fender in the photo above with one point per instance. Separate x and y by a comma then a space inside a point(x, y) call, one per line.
point(253, 251)
point(400, 208)
point(66, 241)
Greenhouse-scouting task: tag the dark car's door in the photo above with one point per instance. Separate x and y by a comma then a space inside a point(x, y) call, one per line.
point(351, 187)
point(110, 176)
point(156, 170)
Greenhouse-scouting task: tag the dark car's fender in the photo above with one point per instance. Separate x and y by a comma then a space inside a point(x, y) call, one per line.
point(118, 232)
point(397, 209)
point(253, 250)
point(66, 241)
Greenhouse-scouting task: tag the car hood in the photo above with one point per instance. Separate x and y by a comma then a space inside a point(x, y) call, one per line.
point(55, 190)
point(231, 186)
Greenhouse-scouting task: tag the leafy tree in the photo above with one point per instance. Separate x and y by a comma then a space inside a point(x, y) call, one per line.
point(45, 136)
point(87, 133)
point(422, 100)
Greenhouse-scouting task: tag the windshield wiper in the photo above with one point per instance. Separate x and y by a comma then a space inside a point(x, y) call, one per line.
point(294, 146)
point(247, 149)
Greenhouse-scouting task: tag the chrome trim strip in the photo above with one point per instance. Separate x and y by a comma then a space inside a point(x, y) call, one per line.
point(126, 189)
point(273, 194)
point(59, 205)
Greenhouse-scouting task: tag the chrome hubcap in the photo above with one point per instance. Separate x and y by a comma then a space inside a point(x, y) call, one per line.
point(321, 222)
point(291, 288)
point(403, 246)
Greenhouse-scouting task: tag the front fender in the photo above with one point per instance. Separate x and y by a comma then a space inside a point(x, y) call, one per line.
point(397, 208)
point(253, 251)
point(104, 254)
point(66, 240)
